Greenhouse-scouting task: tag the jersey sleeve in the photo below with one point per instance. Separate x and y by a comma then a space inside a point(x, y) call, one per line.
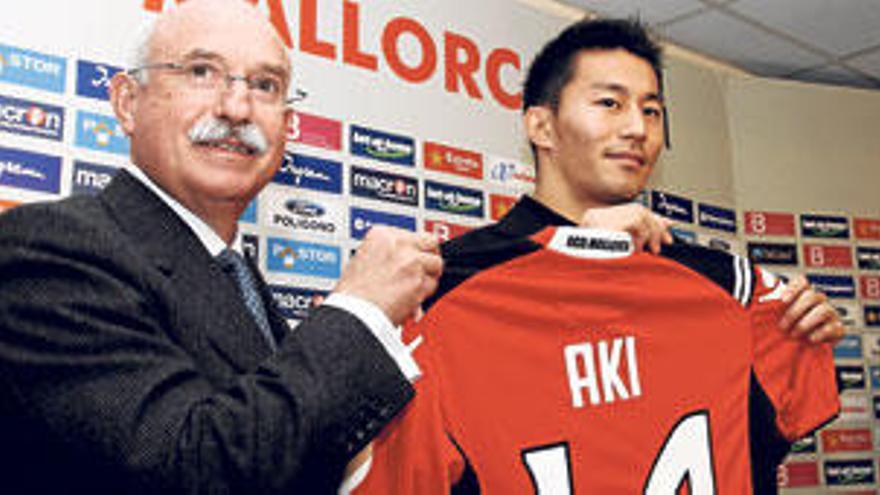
point(414, 454)
point(797, 376)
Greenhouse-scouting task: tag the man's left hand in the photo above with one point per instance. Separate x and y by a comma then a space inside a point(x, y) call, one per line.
point(809, 314)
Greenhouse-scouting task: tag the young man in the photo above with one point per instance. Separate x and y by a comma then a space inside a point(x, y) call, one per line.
point(139, 352)
point(560, 361)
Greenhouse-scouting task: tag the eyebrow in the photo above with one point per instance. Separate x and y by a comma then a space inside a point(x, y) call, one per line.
point(200, 53)
point(623, 90)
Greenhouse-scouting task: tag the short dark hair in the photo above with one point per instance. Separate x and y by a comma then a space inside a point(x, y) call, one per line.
point(554, 66)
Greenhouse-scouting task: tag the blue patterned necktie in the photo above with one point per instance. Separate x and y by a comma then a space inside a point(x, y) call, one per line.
point(236, 267)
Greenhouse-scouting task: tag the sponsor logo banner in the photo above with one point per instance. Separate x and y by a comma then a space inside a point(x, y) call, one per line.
point(716, 243)
point(769, 223)
point(798, 473)
point(31, 118)
point(849, 312)
point(868, 258)
point(854, 407)
point(313, 130)
point(828, 227)
point(93, 79)
point(28, 170)
point(842, 286)
point(6, 205)
point(443, 158)
point(250, 247)
point(453, 199)
point(872, 316)
point(384, 186)
point(877, 407)
point(874, 371)
point(684, 235)
point(717, 218)
point(849, 347)
point(303, 258)
point(850, 377)
point(673, 206)
point(827, 256)
point(295, 303)
point(767, 253)
point(849, 472)
point(384, 146)
point(249, 215)
point(308, 172)
point(445, 230)
point(872, 346)
point(499, 205)
point(90, 178)
point(805, 445)
point(869, 286)
point(363, 219)
point(510, 174)
point(846, 440)
point(867, 228)
point(32, 69)
point(304, 213)
point(100, 132)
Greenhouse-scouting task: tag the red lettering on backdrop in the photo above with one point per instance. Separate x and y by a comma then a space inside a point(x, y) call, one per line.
point(498, 58)
point(308, 31)
point(351, 52)
point(457, 69)
point(393, 31)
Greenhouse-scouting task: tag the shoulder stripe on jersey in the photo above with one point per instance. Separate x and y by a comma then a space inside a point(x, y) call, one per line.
point(743, 280)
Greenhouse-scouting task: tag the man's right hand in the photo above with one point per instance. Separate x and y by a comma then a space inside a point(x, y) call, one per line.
point(648, 229)
point(393, 269)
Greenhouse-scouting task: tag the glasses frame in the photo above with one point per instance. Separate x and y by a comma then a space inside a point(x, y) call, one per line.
point(297, 96)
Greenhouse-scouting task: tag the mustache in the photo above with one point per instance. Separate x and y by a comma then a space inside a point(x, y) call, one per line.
point(212, 130)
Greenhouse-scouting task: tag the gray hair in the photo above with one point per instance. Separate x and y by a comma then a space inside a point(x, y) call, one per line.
point(140, 50)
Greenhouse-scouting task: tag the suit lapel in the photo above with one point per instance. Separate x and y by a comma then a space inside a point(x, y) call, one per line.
point(207, 312)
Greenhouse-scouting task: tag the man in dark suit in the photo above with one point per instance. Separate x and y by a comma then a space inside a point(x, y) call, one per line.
point(136, 347)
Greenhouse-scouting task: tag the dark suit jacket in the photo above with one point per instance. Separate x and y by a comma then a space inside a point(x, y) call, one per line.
point(129, 363)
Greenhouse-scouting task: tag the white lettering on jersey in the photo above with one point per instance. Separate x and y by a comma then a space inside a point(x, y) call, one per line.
point(586, 369)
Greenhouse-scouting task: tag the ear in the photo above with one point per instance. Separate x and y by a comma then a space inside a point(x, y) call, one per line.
point(538, 124)
point(124, 92)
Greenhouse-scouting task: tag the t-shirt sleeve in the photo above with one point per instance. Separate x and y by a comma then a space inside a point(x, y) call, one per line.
point(414, 454)
point(797, 375)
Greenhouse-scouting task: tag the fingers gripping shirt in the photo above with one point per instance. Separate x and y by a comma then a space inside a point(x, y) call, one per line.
point(580, 367)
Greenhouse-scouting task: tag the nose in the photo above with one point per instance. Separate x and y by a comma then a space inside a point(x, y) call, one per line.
point(634, 124)
point(234, 101)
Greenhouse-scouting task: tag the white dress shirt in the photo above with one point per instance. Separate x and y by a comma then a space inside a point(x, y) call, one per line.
point(367, 312)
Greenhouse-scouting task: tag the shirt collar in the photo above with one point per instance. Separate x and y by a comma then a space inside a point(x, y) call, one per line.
point(206, 235)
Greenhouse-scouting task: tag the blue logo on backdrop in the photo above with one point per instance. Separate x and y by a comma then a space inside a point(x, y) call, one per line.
point(310, 173)
point(30, 118)
point(849, 347)
point(875, 377)
point(250, 213)
point(688, 236)
point(672, 206)
point(378, 145)
point(850, 472)
point(90, 178)
point(93, 79)
point(32, 69)
point(303, 258)
point(295, 303)
point(100, 132)
point(716, 218)
point(841, 286)
point(383, 186)
point(826, 227)
point(453, 199)
point(872, 316)
point(29, 170)
point(362, 219)
point(868, 257)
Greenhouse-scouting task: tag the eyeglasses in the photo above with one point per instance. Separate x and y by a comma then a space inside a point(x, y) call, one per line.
point(205, 75)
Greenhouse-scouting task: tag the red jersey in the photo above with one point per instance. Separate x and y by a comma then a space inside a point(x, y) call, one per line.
point(580, 367)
